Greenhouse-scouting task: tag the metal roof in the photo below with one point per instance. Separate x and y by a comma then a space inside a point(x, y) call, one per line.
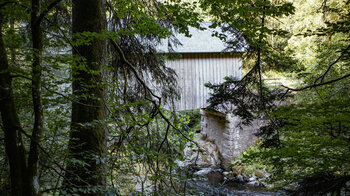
point(201, 41)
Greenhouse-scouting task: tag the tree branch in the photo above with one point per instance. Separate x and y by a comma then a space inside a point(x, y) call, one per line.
point(120, 51)
point(7, 2)
point(13, 2)
point(315, 85)
point(67, 97)
point(49, 155)
point(47, 9)
point(330, 66)
point(321, 78)
point(21, 76)
point(156, 105)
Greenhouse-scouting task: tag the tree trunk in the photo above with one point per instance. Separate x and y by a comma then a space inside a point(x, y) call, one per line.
point(87, 145)
point(33, 157)
point(11, 125)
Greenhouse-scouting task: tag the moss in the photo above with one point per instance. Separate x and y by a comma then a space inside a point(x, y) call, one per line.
point(194, 118)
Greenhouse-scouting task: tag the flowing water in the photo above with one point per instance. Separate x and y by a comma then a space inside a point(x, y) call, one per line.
point(203, 187)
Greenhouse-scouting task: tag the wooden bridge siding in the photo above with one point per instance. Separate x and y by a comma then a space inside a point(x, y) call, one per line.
point(194, 70)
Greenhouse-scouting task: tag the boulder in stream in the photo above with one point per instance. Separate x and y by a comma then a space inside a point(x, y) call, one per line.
point(207, 156)
point(215, 177)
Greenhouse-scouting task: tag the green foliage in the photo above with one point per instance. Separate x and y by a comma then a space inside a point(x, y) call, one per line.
point(306, 143)
point(313, 140)
point(146, 149)
point(194, 119)
point(253, 26)
point(144, 140)
point(307, 138)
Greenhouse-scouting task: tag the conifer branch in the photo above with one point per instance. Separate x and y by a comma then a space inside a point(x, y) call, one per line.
point(47, 9)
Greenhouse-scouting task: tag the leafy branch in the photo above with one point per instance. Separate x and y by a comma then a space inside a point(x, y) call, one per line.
point(155, 104)
point(321, 78)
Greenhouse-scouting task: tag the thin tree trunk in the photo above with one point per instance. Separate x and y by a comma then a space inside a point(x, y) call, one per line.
point(33, 158)
point(87, 145)
point(11, 125)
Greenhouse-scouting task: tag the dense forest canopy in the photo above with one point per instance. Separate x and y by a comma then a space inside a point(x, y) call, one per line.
point(80, 114)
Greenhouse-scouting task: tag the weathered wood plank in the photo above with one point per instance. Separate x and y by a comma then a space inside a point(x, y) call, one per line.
point(194, 70)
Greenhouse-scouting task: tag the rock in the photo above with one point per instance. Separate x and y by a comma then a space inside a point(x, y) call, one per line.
point(238, 170)
point(239, 178)
point(207, 156)
point(229, 175)
point(261, 174)
point(181, 163)
point(203, 172)
point(252, 179)
point(225, 130)
point(254, 183)
point(215, 177)
point(269, 186)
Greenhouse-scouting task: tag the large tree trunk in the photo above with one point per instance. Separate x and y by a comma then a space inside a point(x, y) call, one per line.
point(11, 125)
point(87, 145)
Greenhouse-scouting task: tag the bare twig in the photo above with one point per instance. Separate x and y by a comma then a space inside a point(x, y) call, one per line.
point(49, 156)
point(68, 98)
point(316, 85)
point(120, 51)
point(156, 105)
point(321, 78)
point(165, 137)
point(330, 66)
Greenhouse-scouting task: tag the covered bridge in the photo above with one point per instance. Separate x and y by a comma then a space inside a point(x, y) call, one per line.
point(202, 60)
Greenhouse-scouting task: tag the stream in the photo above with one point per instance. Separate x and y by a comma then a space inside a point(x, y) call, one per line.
point(201, 186)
